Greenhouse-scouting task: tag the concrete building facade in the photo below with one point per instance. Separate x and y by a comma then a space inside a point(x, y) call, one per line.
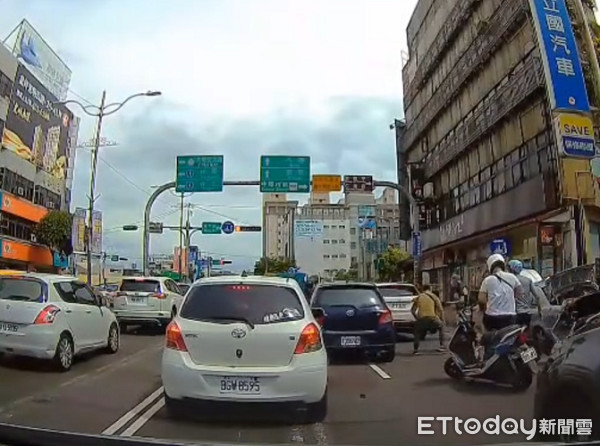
point(481, 147)
point(278, 226)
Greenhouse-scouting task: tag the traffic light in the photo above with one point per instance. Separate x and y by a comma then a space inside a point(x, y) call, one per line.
point(248, 229)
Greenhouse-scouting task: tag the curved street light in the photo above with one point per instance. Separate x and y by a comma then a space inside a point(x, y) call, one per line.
point(99, 112)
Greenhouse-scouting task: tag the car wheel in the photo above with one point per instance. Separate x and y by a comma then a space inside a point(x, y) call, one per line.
point(114, 341)
point(316, 412)
point(388, 354)
point(63, 358)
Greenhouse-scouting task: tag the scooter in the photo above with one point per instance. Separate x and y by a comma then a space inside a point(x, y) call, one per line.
point(502, 356)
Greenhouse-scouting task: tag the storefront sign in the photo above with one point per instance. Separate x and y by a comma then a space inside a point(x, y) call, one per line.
point(547, 235)
point(21, 208)
point(575, 135)
point(13, 250)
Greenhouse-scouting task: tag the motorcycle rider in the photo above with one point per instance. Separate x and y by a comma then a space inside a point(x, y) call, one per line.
point(533, 297)
point(498, 295)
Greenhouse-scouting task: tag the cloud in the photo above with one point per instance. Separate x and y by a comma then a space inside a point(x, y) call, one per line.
point(354, 139)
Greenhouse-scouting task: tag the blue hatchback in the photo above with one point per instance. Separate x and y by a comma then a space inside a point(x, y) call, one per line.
point(355, 317)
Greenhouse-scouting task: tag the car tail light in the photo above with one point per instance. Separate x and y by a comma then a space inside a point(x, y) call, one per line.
point(47, 315)
point(385, 317)
point(160, 295)
point(175, 338)
point(310, 340)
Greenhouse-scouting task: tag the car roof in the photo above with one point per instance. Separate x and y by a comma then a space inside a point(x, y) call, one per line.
point(384, 284)
point(141, 278)
point(347, 285)
point(258, 280)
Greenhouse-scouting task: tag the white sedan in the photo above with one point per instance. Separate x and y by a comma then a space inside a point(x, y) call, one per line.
point(55, 317)
point(241, 339)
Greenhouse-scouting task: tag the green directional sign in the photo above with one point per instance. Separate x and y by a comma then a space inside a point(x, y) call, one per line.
point(211, 227)
point(283, 174)
point(199, 173)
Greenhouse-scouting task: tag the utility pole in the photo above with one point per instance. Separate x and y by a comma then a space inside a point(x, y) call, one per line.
point(180, 236)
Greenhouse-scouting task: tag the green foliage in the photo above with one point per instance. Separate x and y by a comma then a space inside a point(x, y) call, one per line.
point(393, 263)
point(273, 265)
point(350, 275)
point(54, 231)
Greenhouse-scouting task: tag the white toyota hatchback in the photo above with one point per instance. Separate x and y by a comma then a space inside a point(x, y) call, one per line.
point(54, 317)
point(241, 339)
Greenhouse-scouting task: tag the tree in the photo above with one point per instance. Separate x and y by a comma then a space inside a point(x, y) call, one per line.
point(349, 275)
point(54, 231)
point(273, 265)
point(393, 263)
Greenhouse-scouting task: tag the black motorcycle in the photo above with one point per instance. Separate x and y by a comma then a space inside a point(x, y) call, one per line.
point(501, 356)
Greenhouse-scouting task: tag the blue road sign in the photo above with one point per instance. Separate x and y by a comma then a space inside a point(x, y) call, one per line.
point(500, 246)
point(417, 245)
point(228, 227)
point(202, 173)
point(283, 174)
point(562, 66)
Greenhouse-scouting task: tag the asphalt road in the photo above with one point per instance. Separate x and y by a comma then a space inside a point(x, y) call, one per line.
point(368, 404)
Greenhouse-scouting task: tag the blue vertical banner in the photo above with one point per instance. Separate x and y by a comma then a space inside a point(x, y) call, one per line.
point(417, 246)
point(562, 66)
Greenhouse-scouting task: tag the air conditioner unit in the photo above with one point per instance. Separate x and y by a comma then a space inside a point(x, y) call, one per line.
point(428, 190)
point(20, 191)
point(50, 204)
point(33, 238)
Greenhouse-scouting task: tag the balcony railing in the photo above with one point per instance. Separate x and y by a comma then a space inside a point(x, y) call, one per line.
point(503, 22)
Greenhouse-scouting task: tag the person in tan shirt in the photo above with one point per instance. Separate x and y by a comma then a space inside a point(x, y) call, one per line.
point(429, 315)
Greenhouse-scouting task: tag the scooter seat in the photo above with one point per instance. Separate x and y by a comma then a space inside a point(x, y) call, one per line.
point(494, 336)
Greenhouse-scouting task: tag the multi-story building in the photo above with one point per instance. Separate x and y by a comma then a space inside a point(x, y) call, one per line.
point(278, 226)
point(481, 101)
point(322, 237)
point(37, 136)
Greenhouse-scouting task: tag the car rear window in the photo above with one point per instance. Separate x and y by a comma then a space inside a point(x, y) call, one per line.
point(183, 287)
point(26, 290)
point(357, 296)
point(397, 290)
point(141, 286)
point(257, 304)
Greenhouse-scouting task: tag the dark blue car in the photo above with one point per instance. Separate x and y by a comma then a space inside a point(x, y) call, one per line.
point(355, 317)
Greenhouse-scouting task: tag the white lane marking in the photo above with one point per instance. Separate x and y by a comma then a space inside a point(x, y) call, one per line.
point(379, 371)
point(137, 425)
point(128, 416)
point(87, 377)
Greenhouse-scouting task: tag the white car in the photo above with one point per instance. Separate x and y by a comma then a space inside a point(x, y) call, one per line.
point(246, 339)
point(399, 298)
point(53, 317)
point(146, 301)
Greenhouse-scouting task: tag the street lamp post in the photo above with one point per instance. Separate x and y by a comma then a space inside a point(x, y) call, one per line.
point(99, 112)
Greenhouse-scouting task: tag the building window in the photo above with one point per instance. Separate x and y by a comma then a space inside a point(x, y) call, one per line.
point(334, 256)
point(325, 226)
point(334, 242)
point(354, 260)
point(342, 241)
point(342, 256)
point(352, 231)
point(325, 256)
point(5, 85)
point(342, 226)
point(353, 245)
point(326, 242)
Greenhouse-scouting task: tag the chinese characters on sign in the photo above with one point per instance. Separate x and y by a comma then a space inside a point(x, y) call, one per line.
point(326, 183)
point(358, 183)
point(575, 134)
point(564, 74)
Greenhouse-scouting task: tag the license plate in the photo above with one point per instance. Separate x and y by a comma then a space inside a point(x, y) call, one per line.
point(137, 300)
point(8, 328)
point(240, 386)
point(399, 306)
point(528, 355)
point(350, 341)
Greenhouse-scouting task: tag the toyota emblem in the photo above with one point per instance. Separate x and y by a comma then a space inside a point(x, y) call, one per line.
point(238, 333)
point(350, 313)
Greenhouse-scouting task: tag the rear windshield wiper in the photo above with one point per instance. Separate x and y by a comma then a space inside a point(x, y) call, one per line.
point(231, 319)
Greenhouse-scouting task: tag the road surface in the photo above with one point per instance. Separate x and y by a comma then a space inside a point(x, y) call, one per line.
point(368, 404)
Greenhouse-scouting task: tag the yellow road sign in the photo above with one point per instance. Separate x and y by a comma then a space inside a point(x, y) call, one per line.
point(326, 183)
point(575, 134)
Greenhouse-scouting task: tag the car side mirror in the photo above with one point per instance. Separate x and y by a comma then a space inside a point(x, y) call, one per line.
point(318, 313)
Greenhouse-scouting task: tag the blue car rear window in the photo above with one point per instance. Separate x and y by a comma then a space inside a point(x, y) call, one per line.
point(358, 297)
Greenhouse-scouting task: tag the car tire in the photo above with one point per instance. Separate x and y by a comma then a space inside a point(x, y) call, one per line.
point(388, 354)
point(114, 340)
point(452, 369)
point(316, 412)
point(65, 352)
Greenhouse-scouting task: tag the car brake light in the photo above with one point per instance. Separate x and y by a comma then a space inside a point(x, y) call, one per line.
point(310, 340)
point(385, 317)
point(160, 295)
point(47, 315)
point(175, 338)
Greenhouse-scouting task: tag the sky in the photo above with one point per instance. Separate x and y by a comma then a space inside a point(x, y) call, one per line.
point(319, 78)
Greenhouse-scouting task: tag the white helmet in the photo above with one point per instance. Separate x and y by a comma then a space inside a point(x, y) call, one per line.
point(494, 259)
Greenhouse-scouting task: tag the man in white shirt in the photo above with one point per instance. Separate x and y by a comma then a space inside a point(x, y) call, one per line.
point(498, 294)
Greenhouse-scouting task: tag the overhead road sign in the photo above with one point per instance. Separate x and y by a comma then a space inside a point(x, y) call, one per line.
point(211, 227)
point(202, 173)
point(326, 183)
point(358, 183)
point(284, 174)
point(155, 228)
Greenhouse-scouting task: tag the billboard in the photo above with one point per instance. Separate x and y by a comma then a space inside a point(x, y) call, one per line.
point(37, 128)
point(308, 228)
point(78, 230)
point(96, 245)
point(183, 258)
point(31, 50)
